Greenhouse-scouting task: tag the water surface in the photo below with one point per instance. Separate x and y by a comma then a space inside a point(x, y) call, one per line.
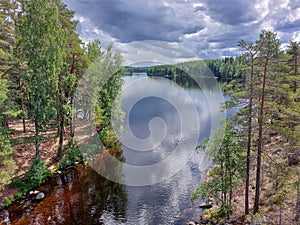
point(81, 196)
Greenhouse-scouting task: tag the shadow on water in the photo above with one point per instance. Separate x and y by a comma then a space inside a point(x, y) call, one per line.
point(77, 196)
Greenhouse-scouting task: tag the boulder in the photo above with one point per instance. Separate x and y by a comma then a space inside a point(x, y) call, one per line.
point(191, 223)
point(40, 196)
point(206, 206)
point(36, 192)
point(4, 216)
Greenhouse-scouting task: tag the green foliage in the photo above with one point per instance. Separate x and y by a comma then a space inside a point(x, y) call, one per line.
point(212, 214)
point(227, 171)
point(37, 174)
point(8, 201)
point(93, 51)
point(7, 164)
point(105, 73)
point(17, 182)
point(41, 41)
point(225, 70)
point(7, 10)
point(18, 195)
point(108, 137)
point(280, 197)
point(72, 154)
point(259, 219)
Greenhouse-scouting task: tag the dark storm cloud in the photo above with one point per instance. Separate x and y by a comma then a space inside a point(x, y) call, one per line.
point(233, 12)
point(288, 26)
point(211, 28)
point(136, 20)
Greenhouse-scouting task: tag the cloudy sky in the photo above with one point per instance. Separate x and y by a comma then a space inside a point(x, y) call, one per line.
point(209, 28)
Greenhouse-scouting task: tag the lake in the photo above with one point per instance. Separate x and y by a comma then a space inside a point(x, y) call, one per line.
point(164, 121)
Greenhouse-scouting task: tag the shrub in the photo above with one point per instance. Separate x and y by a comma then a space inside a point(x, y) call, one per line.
point(72, 154)
point(18, 195)
point(37, 174)
point(7, 164)
point(17, 182)
point(8, 201)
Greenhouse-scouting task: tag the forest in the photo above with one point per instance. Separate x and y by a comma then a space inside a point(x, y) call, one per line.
point(42, 61)
point(256, 154)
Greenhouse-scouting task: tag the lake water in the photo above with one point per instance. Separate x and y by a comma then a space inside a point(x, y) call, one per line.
point(158, 111)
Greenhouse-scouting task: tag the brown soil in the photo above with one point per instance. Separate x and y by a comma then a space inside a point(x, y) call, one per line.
point(24, 150)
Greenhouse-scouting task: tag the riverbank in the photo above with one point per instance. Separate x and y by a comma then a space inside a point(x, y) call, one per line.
point(27, 208)
point(24, 151)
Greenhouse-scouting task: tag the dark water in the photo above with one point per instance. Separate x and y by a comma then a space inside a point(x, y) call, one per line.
point(82, 196)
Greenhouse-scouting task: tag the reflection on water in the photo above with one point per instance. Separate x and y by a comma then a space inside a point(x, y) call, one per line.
point(84, 197)
point(81, 196)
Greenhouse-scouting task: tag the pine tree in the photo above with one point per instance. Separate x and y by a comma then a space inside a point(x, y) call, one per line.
point(7, 165)
point(251, 51)
point(224, 149)
point(269, 49)
point(71, 72)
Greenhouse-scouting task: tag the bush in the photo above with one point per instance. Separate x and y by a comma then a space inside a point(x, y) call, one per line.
point(108, 138)
point(37, 174)
point(72, 154)
point(17, 182)
point(7, 164)
point(18, 195)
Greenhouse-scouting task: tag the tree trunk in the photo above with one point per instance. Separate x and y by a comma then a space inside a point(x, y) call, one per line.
point(72, 125)
point(260, 137)
point(37, 139)
point(5, 121)
point(22, 106)
point(249, 139)
point(60, 119)
point(28, 100)
point(61, 137)
point(296, 71)
point(297, 217)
